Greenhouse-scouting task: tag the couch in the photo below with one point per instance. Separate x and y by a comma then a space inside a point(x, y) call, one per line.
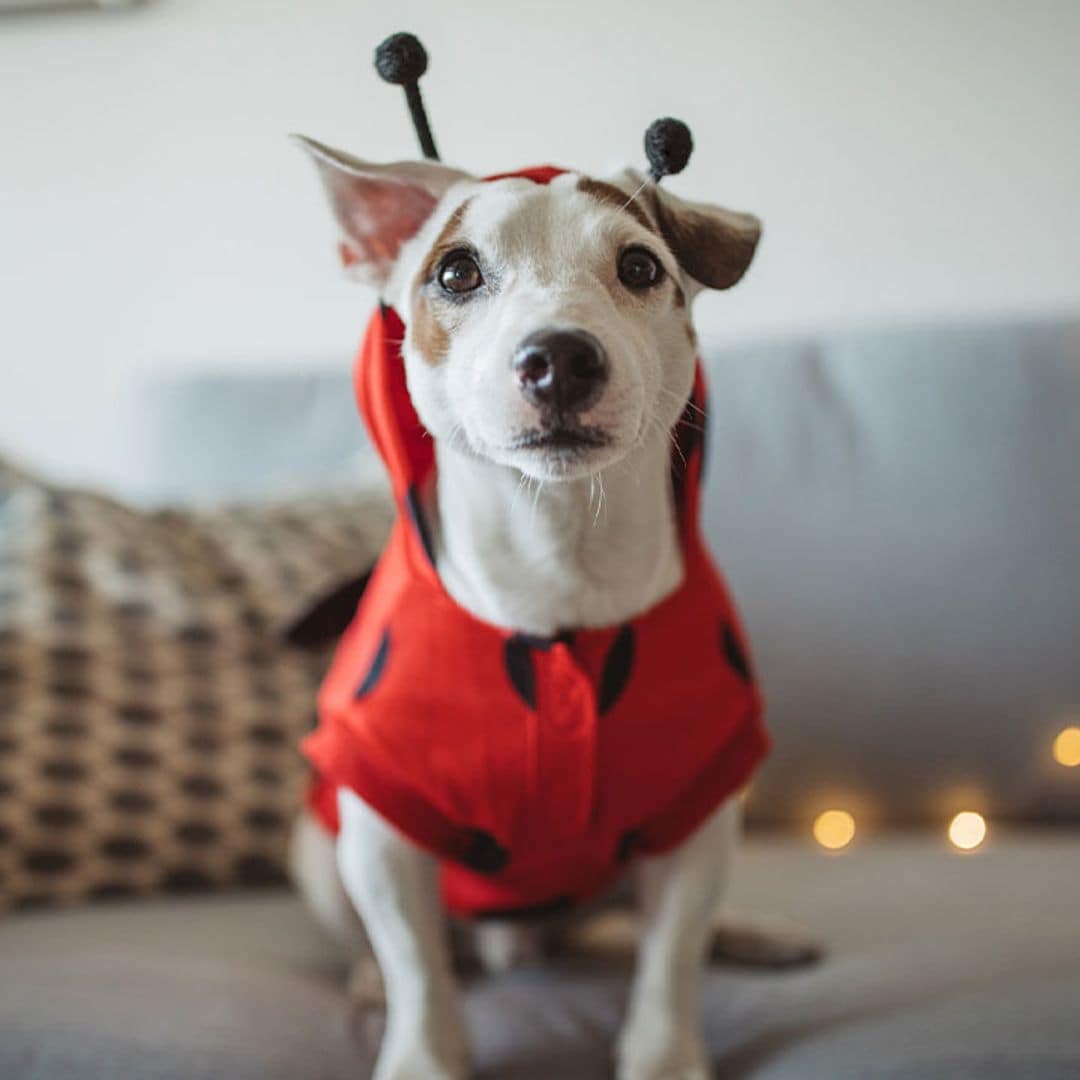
point(898, 512)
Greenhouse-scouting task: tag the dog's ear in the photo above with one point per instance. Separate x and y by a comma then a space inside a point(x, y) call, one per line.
point(713, 245)
point(378, 207)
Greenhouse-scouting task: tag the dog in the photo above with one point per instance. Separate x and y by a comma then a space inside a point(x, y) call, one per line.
point(550, 354)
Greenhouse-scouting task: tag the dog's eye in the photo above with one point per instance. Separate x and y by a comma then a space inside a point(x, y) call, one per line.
point(640, 269)
point(459, 273)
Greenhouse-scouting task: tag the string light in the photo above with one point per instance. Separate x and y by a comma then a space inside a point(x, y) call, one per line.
point(1067, 747)
point(834, 829)
point(967, 830)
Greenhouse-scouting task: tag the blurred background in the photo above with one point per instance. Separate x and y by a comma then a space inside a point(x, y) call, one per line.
point(893, 492)
point(911, 161)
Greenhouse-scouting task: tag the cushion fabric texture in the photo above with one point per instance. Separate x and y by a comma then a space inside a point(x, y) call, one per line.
point(149, 706)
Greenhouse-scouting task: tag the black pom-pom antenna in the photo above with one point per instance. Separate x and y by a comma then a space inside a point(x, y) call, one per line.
point(668, 146)
point(402, 60)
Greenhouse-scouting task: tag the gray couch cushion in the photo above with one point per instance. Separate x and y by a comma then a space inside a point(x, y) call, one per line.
point(899, 516)
point(940, 963)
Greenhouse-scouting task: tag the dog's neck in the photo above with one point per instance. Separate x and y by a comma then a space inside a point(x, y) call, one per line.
point(541, 558)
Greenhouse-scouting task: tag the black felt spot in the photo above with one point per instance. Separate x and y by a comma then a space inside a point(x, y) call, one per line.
point(517, 656)
point(485, 854)
point(733, 650)
point(378, 665)
point(617, 668)
point(416, 516)
point(628, 845)
point(544, 910)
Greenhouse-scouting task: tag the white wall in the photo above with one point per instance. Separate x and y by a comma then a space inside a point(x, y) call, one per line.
point(910, 159)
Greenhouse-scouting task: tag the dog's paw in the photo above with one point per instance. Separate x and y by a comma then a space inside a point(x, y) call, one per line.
point(760, 941)
point(419, 1065)
point(651, 1049)
point(418, 1058)
point(428, 1043)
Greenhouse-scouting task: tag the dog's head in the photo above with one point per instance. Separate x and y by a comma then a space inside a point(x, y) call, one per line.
point(548, 325)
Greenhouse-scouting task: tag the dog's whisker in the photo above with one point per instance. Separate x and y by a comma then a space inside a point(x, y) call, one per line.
point(600, 504)
point(522, 483)
point(641, 188)
point(686, 403)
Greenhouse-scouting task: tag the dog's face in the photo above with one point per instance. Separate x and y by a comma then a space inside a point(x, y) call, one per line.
point(548, 326)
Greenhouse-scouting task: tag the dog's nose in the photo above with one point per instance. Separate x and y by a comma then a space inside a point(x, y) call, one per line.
point(561, 371)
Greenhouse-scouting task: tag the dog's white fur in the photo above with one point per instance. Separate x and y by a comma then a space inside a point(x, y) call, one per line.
point(533, 540)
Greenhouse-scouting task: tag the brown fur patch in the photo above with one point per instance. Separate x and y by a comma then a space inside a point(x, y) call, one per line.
point(429, 336)
point(610, 195)
point(715, 248)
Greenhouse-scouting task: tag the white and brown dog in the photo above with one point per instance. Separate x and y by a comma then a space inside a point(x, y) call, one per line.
point(517, 295)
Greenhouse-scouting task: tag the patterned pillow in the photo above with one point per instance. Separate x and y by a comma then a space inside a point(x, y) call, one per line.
point(149, 704)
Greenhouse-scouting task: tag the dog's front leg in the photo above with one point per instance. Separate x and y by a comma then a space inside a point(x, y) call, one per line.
point(394, 886)
point(677, 895)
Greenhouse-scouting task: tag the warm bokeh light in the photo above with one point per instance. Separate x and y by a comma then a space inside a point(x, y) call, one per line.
point(967, 830)
point(1067, 747)
point(834, 829)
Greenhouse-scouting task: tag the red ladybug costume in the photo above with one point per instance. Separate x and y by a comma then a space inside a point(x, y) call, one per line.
point(533, 768)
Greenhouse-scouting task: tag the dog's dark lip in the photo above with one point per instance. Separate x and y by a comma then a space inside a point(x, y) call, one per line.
point(562, 438)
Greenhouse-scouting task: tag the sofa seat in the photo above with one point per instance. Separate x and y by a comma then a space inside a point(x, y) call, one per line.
point(940, 965)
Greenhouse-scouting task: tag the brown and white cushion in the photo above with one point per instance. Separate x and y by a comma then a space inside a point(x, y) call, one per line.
point(149, 704)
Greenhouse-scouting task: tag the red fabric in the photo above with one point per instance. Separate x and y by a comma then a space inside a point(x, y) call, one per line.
point(533, 769)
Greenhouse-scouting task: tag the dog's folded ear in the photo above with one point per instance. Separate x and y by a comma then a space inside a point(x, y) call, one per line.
point(713, 245)
point(378, 207)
